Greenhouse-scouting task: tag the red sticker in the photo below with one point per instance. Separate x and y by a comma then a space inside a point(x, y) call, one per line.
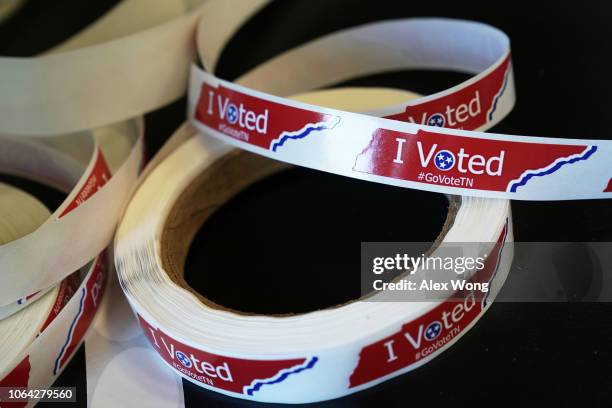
point(427, 334)
point(468, 108)
point(17, 378)
point(65, 292)
point(464, 162)
point(256, 121)
point(232, 374)
point(90, 297)
point(99, 176)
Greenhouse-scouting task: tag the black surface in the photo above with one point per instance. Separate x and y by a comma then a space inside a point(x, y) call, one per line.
point(521, 354)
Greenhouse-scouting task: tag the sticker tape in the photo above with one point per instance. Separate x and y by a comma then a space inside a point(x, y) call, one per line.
point(83, 137)
point(302, 358)
point(334, 352)
point(96, 201)
point(54, 323)
point(43, 321)
point(114, 51)
point(37, 362)
point(433, 143)
point(428, 144)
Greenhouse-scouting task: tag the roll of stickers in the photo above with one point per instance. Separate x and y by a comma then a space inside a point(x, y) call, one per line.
point(303, 358)
point(96, 201)
point(54, 93)
point(97, 170)
point(82, 136)
point(37, 341)
point(434, 143)
point(42, 330)
point(434, 149)
point(109, 158)
point(67, 102)
point(329, 353)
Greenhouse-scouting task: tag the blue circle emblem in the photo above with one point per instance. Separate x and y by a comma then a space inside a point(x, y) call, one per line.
point(444, 160)
point(232, 113)
point(183, 359)
point(433, 331)
point(437, 119)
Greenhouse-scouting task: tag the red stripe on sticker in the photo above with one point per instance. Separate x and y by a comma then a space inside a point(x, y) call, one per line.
point(468, 108)
point(228, 373)
point(32, 295)
point(17, 378)
point(65, 291)
point(428, 334)
point(464, 162)
point(90, 298)
point(99, 176)
point(256, 121)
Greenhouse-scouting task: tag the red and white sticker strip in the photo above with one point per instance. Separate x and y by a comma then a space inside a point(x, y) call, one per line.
point(97, 168)
point(410, 155)
point(435, 143)
point(52, 321)
point(283, 380)
point(303, 358)
point(434, 149)
point(90, 212)
point(330, 353)
point(64, 329)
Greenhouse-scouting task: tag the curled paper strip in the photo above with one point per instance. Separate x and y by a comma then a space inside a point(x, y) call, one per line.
point(99, 167)
point(83, 137)
point(435, 149)
point(66, 315)
point(41, 335)
point(433, 143)
point(97, 77)
point(301, 358)
point(104, 168)
point(328, 353)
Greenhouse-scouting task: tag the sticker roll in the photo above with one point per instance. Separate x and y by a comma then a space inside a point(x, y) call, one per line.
point(97, 172)
point(435, 143)
point(71, 122)
point(132, 60)
point(302, 358)
point(329, 353)
point(36, 364)
point(49, 325)
point(20, 214)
